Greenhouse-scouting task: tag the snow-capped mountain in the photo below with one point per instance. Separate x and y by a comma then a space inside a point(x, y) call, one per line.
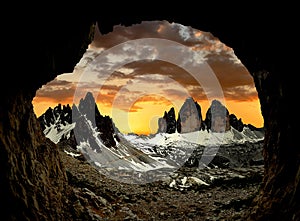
point(145, 158)
point(57, 122)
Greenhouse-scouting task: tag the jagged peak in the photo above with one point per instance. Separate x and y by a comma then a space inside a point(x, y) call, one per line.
point(88, 99)
point(217, 111)
point(89, 96)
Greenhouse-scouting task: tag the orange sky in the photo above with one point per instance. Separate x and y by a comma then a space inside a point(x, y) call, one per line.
point(136, 75)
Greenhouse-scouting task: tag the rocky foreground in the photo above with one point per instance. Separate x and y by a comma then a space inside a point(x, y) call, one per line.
point(188, 194)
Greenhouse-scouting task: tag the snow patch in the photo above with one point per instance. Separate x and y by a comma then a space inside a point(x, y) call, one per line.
point(55, 133)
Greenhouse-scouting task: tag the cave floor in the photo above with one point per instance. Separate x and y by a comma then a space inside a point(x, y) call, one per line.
point(93, 196)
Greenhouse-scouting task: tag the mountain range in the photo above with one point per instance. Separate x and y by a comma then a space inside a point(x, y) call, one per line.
point(187, 139)
point(190, 119)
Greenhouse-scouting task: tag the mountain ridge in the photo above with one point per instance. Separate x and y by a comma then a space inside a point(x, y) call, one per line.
point(61, 115)
point(189, 119)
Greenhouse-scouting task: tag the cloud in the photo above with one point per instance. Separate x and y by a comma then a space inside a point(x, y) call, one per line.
point(135, 108)
point(138, 59)
point(153, 61)
point(126, 71)
point(230, 74)
point(150, 99)
point(57, 91)
point(176, 93)
point(241, 93)
point(185, 35)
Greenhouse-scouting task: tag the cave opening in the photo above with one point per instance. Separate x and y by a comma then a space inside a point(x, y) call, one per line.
point(171, 81)
point(154, 81)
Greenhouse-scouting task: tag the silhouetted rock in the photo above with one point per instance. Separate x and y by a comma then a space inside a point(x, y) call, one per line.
point(190, 119)
point(162, 124)
point(87, 106)
point(60, 118)
point(253, 128)
point(236, 123)
point(57, 116)
point(167, 123)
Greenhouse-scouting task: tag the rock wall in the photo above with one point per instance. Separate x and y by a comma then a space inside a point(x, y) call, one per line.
point(189, 117)
point(33, 179)
point(36, 50)
point(162, 125)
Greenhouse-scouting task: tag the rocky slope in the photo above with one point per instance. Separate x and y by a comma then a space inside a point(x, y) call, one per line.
point(188, 194)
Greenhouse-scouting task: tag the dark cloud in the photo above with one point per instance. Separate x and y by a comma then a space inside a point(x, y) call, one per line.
point(156, 76)
point(226, 67)
point(197, 93)
point(57, 83)
point(177, 94)
point(229, 75)
point(185, 35)
point(111, 89)
point(57, 91)
point(241, 93)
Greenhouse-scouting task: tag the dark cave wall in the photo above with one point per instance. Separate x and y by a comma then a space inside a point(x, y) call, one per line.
point(32, 177)
point(279, 194)
point(272, 70)
point(261, 48)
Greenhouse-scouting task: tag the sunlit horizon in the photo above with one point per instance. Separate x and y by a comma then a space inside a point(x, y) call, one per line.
point(145, 120)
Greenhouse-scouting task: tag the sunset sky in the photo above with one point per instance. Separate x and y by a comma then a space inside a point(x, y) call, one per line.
point(138, 72)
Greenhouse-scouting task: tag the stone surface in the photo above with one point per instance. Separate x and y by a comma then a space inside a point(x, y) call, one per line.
point(189, 193)
point(33, 179)
point(162, 125)
point(189, 117)
point(217, 117)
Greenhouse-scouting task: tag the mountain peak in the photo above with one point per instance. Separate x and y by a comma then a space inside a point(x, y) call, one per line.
point(87, 102)
point(189, 117)
point(89, 96)
point(167, 123)
point(78, 118)
point(217, 117)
